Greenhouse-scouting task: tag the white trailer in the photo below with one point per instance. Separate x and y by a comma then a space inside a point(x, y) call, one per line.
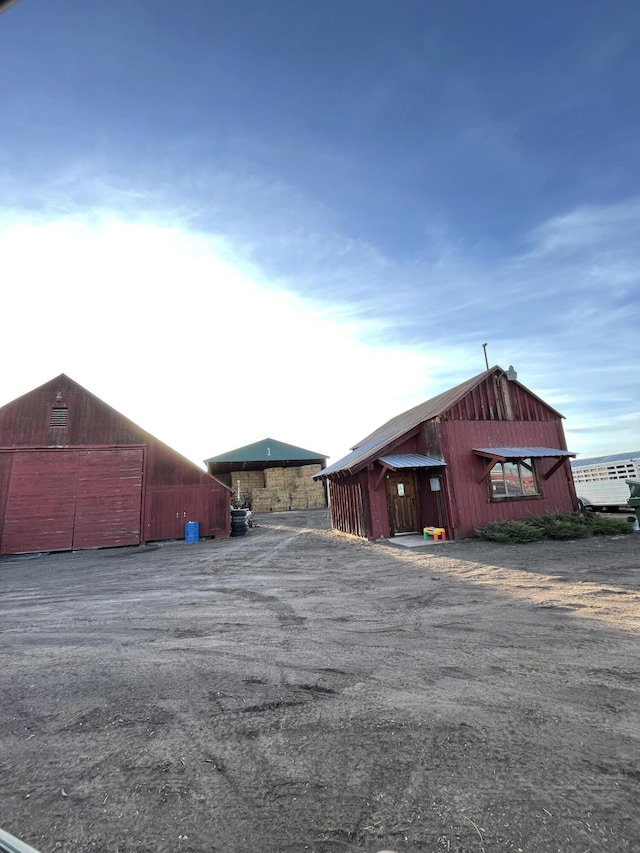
point(600, 481)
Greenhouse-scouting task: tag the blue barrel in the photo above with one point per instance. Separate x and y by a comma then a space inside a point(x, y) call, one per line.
point(192, 531)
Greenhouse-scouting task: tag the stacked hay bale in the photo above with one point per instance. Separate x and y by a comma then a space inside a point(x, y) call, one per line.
point(307, 493)
point(289, 488)
point(245, 483)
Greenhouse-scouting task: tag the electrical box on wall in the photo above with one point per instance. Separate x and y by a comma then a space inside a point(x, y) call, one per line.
point(434, 483)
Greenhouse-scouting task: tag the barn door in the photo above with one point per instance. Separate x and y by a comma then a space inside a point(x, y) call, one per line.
point(401, 498)
point(41, 502)
point(109, 498)
point(168, 510)
point(59, 500)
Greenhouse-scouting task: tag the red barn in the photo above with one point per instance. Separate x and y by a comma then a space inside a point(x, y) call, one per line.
point(487, 450)
point(75, 473)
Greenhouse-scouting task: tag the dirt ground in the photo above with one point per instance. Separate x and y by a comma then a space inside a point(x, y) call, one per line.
point(296, 689)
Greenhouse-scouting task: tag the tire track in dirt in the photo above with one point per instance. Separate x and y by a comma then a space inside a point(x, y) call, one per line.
point(607, 603)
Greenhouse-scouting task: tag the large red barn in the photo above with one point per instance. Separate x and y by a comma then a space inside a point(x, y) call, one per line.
point(75, 473)
point(488, 449)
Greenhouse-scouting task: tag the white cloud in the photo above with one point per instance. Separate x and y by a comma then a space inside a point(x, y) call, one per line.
point(199, 350)
point(211, 343)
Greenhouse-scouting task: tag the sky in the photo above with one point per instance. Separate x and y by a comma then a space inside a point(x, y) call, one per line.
point(240, 220)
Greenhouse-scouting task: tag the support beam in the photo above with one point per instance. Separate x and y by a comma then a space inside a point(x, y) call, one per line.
point(558, 464)
point(381, 475)
point(488, 467)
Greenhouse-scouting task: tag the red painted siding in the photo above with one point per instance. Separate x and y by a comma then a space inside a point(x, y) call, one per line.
point(168, 510)
point(494, 413)
point(497, 399)
point(346, 506)
point(378, 503)
point(58, 500)
point(84, 422)
point(109, 498)
point(41, 503)
point(469, 503)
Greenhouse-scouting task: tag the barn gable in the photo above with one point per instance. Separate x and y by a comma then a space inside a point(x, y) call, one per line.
point(75, 473)
point(489, 396)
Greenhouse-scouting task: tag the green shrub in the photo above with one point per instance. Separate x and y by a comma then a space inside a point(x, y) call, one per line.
point(510, 531)
point(600, 525)
point(568, 525)
point(556, 525)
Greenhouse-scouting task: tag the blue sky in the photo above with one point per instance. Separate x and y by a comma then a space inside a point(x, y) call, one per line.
point(297, 219)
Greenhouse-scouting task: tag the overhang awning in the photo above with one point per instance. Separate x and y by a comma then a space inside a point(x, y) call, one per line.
point(396, 461)
point(521, 452)
point(405, 461)
point(501, 454)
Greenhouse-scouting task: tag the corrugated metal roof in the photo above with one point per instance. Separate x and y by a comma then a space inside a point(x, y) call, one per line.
point(423, 412)
point(523, 452)
point(268, 450)
point(348, 462)
point(433, 408)
point(384, 436)
point(606, 460)
point(410, 460)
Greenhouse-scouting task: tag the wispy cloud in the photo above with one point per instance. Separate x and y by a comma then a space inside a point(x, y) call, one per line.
point(282, 322)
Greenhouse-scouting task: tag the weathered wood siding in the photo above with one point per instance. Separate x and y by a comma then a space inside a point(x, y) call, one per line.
point(63, 415)
point(348, 509)
point(496, 412)
point(498, 399)
point(469, 502)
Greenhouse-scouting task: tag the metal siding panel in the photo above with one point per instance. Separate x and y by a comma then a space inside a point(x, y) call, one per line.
point(109, 498)
point(41, 502)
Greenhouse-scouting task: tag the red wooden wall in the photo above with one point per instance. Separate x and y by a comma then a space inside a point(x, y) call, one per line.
point(150, 481)
point(495, 413)
point(348, 508)
point(469, 504)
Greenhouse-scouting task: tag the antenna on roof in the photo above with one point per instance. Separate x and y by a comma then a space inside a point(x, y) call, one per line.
point(486, 360)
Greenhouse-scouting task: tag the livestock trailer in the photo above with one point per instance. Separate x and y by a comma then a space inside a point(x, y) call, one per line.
point(600, 481)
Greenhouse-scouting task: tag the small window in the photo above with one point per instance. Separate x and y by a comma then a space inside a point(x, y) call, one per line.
point(515, 478)
point(59, 417)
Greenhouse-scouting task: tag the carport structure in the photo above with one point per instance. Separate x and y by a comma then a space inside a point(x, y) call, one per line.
point(271, 475)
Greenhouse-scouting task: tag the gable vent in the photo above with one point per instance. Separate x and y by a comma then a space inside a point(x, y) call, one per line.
point(59, 417)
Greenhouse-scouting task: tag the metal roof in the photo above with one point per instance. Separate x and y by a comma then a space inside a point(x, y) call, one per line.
point(423, 412)
point(523, 452)
point(436, 406)
point(347, 463)
point(606, 460)
point(410, 460)
point(383, 438)
point(268, 450)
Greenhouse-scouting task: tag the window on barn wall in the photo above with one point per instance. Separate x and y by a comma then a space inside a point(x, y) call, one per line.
point(59, 417)
point(514, 478)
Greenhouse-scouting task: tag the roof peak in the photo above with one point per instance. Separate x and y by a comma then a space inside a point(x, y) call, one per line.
point(268, 449)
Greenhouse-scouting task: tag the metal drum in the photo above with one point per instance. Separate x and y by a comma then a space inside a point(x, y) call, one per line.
point(192, 531)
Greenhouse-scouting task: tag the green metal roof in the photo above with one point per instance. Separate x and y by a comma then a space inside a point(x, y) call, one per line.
point(268, 450)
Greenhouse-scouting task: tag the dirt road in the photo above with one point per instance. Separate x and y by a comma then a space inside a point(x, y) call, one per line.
point(299, 690)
